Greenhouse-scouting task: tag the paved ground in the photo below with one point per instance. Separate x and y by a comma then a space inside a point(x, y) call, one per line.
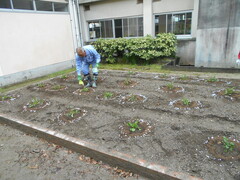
point(24, 157)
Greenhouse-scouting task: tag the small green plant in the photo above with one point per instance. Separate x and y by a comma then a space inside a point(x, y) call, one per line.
point(229, 91)
point(85, 89)
point(228, 146)
point(130, 72)
point(107, 95)
point(170, 85)
point(164, 75)
point(186, 101)
point(5, 97)
point(133, 98)
point(72, 112)
point(134, 126)
point(212, 79)
point(127, 81)
point(35, 102)
point(184, 77)
point(41, 85)
point(56, 87)
point(63, 77)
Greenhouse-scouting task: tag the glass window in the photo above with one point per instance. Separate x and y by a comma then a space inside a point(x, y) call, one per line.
point(140, 26)
point(188, 23)
point(179, 24)
point(133, 27)
point(128, 27)
point(44, 6)
point(106, 29)
point(160, 24)
point(118, 28)
point(169, 23)
point(5, 4)
point(125, 27)
point(94, 29)
point(23, 4)
point(61, 7)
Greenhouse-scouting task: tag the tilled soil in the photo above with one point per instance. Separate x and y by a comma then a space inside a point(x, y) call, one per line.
point(178, 135)
point(24, 157)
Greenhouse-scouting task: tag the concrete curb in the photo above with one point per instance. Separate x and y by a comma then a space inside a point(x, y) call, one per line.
point(114, 158)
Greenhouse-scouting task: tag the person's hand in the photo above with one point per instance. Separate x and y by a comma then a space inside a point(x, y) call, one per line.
point(97, 65)
point(81, 82)
point(79, 77)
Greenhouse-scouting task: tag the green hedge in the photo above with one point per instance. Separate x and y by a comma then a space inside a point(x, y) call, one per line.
point(137, 50)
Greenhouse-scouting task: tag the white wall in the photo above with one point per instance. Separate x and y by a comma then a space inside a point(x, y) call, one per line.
point(165, 6)
point(33, 40)
point(113, 9)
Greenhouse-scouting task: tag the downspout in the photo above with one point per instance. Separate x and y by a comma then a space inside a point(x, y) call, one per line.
point(75, 29)
point(79, 22)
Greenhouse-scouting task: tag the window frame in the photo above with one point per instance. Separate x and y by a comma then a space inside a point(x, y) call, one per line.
point(12, 9)
point(179, 36)
point(113, 27)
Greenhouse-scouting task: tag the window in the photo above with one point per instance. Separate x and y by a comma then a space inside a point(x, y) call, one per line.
point(94, 29)
point(60, 7)
point(5, 4)
point(116, 28)
point(179, 23)
point(86, 7)
point(34, 5)
point(44, 6)
point(106, 29)
point(23, 4)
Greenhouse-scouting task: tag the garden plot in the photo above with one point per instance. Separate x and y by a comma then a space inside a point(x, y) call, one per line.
point(188, 124)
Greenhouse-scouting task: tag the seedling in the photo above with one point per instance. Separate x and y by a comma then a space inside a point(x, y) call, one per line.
point(186, 101)
point(170, 86)
point(212, 79)
point(134, 126)
point(130, 72)
point(229, 91)
point(228, 146)
point(133, 98)
point(164, 75)
point(6, 97)
point(41, 85)
point(127, 81)
point(64, 77)
point(107, 95)
point(184, 77)
point(35, 102)
point(56, 87)
point(72, 112)
point(85, 89)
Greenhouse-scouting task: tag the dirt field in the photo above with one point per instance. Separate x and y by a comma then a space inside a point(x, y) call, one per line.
point(181, 119)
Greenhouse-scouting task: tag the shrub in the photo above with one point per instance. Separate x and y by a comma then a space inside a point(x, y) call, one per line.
point(137, 50)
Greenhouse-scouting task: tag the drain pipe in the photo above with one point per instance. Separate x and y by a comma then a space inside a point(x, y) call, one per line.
point(75, 23)
point(79, 22)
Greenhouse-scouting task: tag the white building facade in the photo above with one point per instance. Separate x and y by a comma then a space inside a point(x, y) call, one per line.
point(38, 37)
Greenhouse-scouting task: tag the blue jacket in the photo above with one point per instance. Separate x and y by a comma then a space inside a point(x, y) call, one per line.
point(92, 57)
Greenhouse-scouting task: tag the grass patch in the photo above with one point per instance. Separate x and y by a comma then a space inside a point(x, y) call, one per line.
point(32, 81)
point(135, 68)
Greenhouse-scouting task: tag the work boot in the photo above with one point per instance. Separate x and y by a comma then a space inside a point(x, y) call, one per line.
point(94, 83)
point(89, 80)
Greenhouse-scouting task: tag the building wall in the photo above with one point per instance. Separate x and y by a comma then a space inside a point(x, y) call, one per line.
point(113, 9)
point(218, 34)
point(106, 10)
point(186, 51)
point(165, 6)
point(147, 9)
point(34, 40)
